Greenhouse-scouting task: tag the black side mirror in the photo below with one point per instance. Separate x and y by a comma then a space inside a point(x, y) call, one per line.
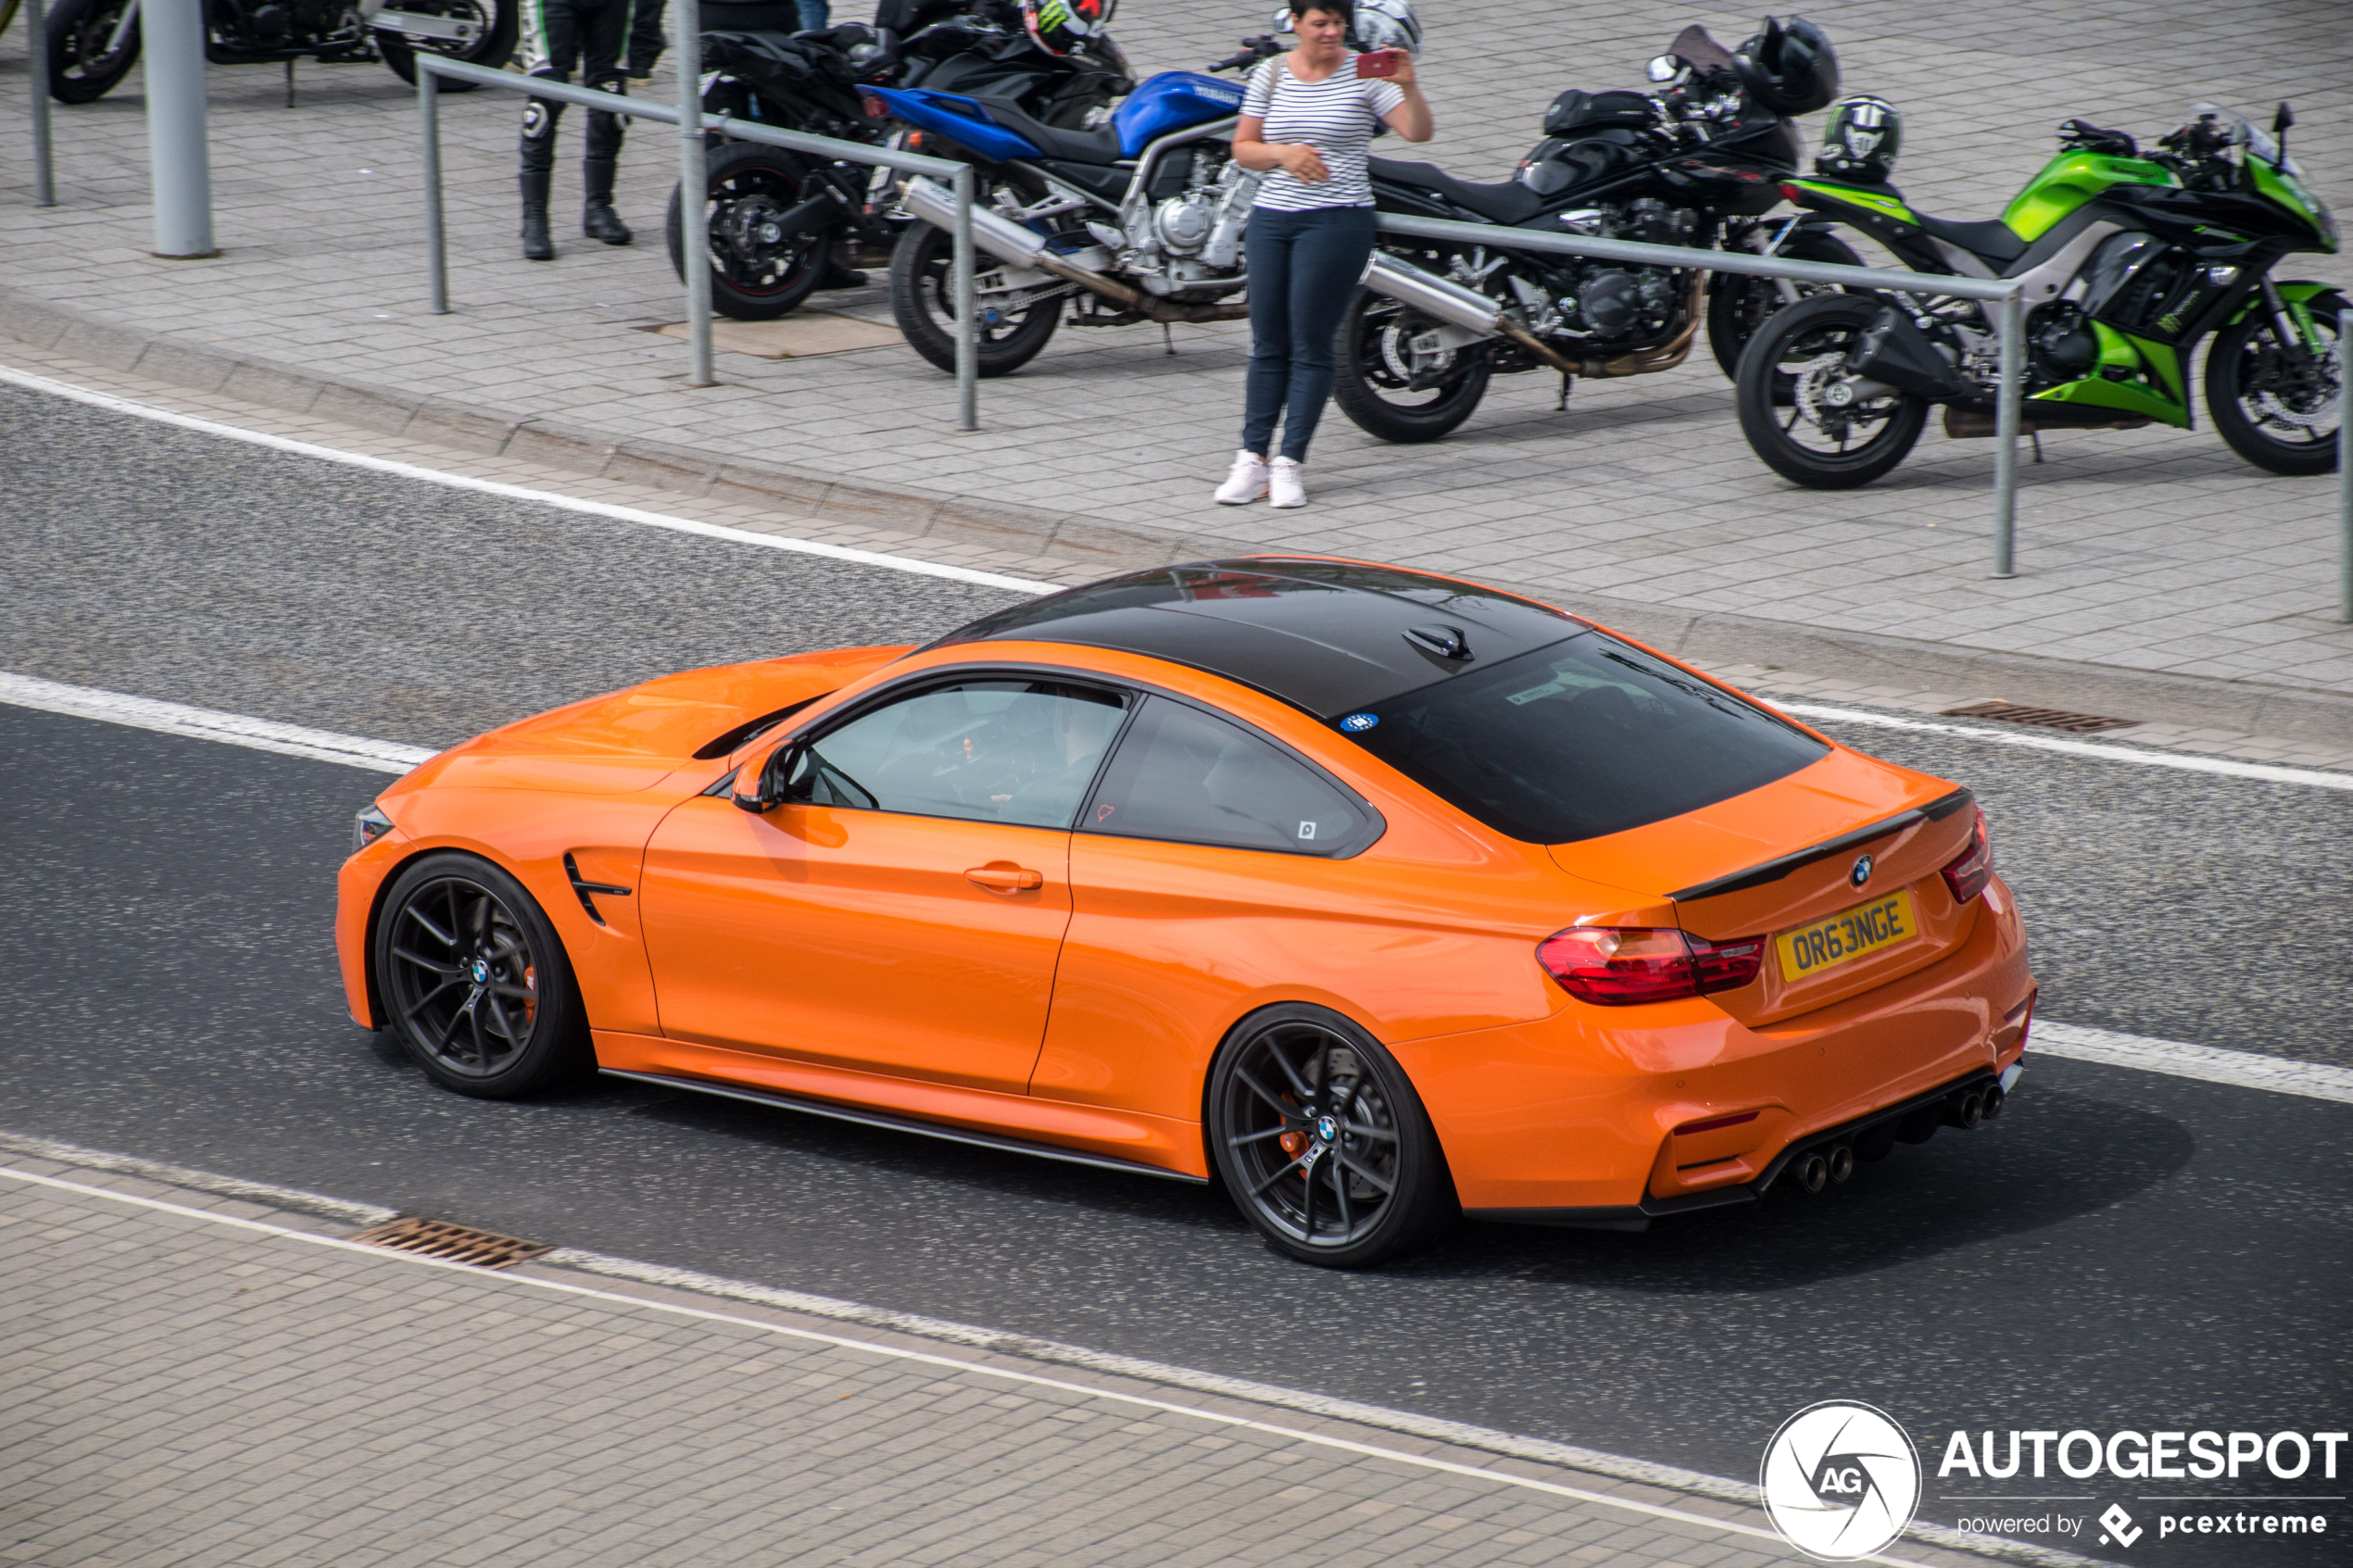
point(768, 785)
point(2279, 122)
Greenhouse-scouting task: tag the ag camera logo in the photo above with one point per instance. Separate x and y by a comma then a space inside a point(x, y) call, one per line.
point(1841, 1480)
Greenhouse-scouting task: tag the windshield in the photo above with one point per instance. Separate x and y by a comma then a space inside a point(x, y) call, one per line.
point(1585, 737)
point(2246, 133)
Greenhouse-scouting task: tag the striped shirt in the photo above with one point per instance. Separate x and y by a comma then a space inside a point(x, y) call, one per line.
point(1334, 116)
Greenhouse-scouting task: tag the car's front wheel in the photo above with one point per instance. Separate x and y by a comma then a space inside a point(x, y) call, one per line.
point(474, 982)
point(1322, 1141)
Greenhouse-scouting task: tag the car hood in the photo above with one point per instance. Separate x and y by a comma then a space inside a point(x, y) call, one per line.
point(633, 739)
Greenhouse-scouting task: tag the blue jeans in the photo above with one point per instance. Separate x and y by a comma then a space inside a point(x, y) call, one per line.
point(813, 13)
point(1304, 267)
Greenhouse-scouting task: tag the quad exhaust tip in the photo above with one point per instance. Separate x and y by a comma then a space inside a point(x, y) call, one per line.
point(1834, 1165)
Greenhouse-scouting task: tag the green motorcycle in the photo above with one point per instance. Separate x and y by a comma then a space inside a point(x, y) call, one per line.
point(2126, 260)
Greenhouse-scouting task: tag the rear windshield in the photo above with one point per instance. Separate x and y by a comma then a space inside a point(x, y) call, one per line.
point(1585, 737)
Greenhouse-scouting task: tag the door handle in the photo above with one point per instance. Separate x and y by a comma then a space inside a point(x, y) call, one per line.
point(1002, 877)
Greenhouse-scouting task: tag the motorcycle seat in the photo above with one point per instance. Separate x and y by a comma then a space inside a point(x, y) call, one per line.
point(1994, 241)
point(1510, 202)
point(1072, 146)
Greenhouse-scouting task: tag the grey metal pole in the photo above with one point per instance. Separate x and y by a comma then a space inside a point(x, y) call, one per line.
point(694, 191)
point(2006, 423)
point(967, 309)
point(2344, 464)
point(436, 241)
point(36, 44)
point(172, 35)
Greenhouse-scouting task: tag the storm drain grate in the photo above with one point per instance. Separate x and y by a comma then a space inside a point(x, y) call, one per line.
point(457, 1244)
point(2039, 717)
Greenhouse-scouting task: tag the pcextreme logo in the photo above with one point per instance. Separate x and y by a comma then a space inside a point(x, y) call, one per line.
point(1841, 1480)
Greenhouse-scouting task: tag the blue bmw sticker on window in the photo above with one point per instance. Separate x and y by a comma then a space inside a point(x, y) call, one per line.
point(1359, 722)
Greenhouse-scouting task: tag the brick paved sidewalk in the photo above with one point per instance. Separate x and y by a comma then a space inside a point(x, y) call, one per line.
point(180, 1388)
point(2141, 551)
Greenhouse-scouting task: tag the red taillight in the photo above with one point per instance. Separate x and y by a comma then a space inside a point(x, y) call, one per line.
point(1967, 875)
point(1620, 966)
point(875, 109)
point(1790, 193)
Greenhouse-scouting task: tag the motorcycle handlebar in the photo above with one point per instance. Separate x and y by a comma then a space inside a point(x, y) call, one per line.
point(1253, 50)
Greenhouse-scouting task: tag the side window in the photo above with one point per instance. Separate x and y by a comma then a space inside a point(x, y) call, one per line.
point(990, 751)
point(1181, 774)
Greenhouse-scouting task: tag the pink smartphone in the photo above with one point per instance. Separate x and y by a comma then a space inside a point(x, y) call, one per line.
point(1380, 62)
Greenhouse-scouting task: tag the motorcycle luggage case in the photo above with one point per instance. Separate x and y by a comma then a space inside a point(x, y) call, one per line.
point(1579, 110)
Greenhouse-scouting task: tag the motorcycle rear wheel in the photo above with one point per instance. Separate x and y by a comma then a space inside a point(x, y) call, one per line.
point(1373, 380)
point(1738, 305)
point(495, 46)
point(81, 69)
point(922, 300)
point(1772, 400)
point(2261, 401)
point(752, 278)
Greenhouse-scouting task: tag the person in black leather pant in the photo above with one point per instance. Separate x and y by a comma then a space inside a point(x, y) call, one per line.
point(559, 37)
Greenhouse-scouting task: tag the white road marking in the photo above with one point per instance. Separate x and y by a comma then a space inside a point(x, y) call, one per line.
point(1444, 1431)
point(521, 493)
point(205, 724)
point(2314, 1080)
point(2230, 767)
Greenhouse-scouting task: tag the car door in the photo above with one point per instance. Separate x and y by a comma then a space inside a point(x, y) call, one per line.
point(901, 910)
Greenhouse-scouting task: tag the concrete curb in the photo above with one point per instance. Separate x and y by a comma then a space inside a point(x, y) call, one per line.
point(1707, 638)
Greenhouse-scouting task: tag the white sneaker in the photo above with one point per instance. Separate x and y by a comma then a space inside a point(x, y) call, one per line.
point(1283, 485)
point(1246, 483)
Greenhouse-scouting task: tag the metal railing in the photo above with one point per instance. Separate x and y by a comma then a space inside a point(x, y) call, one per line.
point(36, 65)
point(431, 68)
point(2344, 464)
point(2008, 409)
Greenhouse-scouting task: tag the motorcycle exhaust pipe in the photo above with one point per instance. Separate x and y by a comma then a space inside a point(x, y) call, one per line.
point(1008, 241)
point(1442, 299)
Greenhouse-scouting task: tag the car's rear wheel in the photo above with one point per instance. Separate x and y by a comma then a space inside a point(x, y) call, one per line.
point(1322, 1141)
point(475, 983)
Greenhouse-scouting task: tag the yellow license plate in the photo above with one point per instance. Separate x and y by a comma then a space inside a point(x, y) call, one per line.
point(1847, 935)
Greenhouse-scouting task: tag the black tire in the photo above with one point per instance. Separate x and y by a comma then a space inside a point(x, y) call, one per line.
point(754, 275)
point(922, 301)
point(474, 982)
point(1340, 1181)
point(80, 69)
point(500, 20)
point(2259, 397)
point(1375, 378)
point(1772, 406)
point(1738, 303)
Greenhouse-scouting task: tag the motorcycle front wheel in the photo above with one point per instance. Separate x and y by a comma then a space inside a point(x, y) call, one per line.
point(1788, 376)
point(922, 299)
point(492, 49)
point(1393, 388)
point(2277, 405)
point(1738, 305)
point(758, 272)
point(81, 68)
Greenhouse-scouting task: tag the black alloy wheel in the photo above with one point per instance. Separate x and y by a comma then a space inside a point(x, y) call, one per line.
point(2277, 404)
point(474, 982)
point(1395, 391)
point(1322, 1142)
point(1013, 328)
point(1796, 405)
point(1738, 303)
point(758, 271)
point(81, 68)
point(499, 22)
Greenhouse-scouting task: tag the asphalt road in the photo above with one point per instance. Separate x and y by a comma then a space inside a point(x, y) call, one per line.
point(2122, 1251)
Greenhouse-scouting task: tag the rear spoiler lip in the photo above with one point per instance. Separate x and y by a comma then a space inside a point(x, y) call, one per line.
point(1773, 870)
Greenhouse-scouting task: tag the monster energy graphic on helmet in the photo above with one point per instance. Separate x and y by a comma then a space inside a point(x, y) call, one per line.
point(1061, 26)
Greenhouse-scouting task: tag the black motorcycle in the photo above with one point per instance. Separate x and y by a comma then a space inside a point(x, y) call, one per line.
point(94, 44)
point(779, 219)
point(1696, 163)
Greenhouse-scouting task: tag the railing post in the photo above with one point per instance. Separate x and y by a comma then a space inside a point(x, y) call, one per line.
point(694, 192)
point(2344, 464)
point(36, 42)
point(436, 241)
point(967, 309)
point(171, 35)
point(2006, 423)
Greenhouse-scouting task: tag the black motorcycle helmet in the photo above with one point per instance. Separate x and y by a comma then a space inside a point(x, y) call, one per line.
point(1861, 140)
point(1789, 68)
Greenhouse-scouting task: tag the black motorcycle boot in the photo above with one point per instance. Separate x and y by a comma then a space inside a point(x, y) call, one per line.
point(597, 219)
point(537, 245)
point(838, 276)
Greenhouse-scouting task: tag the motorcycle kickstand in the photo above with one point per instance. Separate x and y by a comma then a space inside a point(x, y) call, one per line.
point(1168, 339)
point(2036, 437)
point(1562, 407)
point(290, 90)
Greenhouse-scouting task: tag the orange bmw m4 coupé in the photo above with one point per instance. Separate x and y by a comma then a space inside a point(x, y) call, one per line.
point(1375, 897)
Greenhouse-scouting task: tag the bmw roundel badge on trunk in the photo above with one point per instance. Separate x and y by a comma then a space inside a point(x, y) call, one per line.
point(1862, 871)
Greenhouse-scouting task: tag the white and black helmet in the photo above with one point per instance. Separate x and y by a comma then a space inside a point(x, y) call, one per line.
point(1860, 143)
point(1372, 24)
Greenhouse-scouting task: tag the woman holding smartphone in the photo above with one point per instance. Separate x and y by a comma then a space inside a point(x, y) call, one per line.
point(1307, 121)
